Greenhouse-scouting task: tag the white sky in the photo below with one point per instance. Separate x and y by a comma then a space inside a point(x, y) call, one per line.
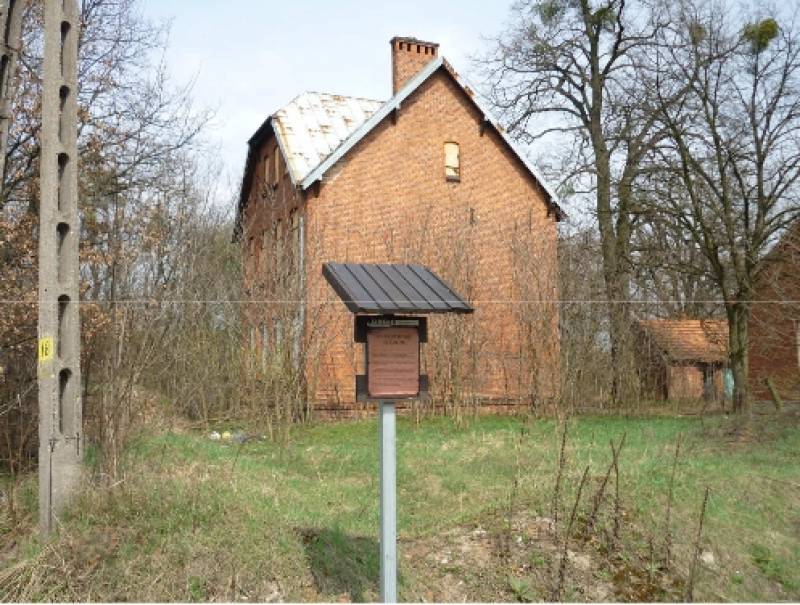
point(250, 57)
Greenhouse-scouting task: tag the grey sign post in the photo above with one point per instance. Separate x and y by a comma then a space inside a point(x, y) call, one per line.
point(388, 502)
point(377, 294)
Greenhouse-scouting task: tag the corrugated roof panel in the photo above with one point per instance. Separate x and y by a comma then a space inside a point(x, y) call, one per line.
point(371, 288)
point(349, 288)
point(390, 287)
point(370, 284)
point(438, 287)
point(427, 295)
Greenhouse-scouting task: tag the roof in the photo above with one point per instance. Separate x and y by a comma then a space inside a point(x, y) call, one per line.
point(314, 124)
point(316, 130)
point(396, 101)
point(704, 340)
point(386, 289)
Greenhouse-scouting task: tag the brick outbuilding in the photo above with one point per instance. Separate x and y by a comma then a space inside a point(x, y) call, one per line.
point(683, 359)
point(426, 177)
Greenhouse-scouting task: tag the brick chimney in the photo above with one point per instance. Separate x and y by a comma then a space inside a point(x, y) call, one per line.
point(409, 56)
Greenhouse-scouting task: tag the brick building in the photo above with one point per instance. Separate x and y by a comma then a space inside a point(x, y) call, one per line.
point(774, 327)
point(683, 359)
point(426, 177)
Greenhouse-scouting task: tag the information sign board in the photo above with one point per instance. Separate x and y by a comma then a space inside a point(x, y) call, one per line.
point(393, 362)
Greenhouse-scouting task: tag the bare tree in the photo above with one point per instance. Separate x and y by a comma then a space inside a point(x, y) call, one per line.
point(669, 272)
point(137, 135)
point(728, 176)
point(567, 67)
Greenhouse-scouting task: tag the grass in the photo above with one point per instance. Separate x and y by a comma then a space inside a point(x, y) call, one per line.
point(195, 519)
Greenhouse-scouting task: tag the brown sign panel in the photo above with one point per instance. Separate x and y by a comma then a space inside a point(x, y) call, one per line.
point(393, 362)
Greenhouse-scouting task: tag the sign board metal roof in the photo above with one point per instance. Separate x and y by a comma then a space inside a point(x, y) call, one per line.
point(392, 288)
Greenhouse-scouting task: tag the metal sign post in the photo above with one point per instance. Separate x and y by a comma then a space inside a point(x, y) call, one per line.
point(378, 293)
point(387, 436)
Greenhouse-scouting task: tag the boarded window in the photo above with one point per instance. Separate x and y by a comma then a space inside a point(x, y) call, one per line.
point(265, 245)
point(296, 236)
point(280, 252)
point(264, 345)
point(278, 335)
point(797, 339)
point(251, 262)
point(452, 162)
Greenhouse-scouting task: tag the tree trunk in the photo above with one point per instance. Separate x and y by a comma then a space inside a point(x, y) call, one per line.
point(738, 316)
point(616, 281)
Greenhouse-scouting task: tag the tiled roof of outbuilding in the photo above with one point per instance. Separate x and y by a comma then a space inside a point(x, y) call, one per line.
point(704, 340)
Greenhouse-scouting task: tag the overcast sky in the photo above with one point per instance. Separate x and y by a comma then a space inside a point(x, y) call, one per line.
point(250, 57)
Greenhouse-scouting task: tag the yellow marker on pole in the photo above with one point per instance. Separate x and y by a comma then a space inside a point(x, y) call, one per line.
point(45, 349)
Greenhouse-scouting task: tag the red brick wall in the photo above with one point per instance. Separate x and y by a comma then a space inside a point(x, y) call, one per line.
point(489, 236)
point(271, 202)
point(685, 381)
point(773, 322)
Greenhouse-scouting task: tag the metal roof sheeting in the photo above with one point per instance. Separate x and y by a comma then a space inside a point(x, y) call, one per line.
point(314, 124)
point(387, 289)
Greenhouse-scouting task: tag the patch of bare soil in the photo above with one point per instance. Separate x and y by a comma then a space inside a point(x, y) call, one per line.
point(521, 563)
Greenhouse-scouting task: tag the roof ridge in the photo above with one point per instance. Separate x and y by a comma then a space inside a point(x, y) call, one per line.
point(337, 94)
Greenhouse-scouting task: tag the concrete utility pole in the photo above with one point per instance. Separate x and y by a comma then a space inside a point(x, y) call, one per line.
point(11, 22)
point(60, 413)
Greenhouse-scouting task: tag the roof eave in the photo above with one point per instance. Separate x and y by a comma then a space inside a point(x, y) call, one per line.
point(253, 144)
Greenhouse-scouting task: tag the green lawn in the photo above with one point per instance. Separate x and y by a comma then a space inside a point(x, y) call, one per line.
point(195, 519)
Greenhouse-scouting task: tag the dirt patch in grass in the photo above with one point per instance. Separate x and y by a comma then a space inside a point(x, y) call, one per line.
point(475, 564)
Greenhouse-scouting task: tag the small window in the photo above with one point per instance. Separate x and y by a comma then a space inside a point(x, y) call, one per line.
point(277, 172)
point(452, 162)
point(266, 169)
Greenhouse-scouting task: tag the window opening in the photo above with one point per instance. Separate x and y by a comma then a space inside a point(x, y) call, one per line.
point(452, 162)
